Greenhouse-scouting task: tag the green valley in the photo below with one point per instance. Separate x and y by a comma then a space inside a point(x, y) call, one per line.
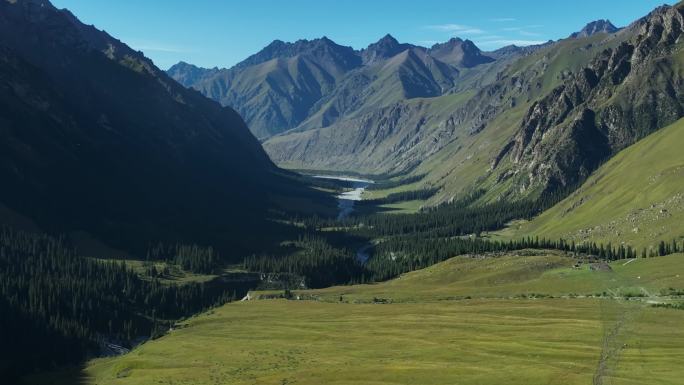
point(493, 196)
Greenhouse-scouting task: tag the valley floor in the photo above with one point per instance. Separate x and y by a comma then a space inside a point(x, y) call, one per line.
point(529, 318)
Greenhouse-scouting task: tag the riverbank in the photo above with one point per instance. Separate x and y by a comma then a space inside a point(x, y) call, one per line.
point(345, 200)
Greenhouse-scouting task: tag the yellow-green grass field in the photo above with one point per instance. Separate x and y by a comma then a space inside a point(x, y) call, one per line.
point(467, 342)
point(637, 198)
point(430, 333)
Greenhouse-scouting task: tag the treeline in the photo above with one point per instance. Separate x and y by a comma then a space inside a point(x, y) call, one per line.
point(323, 265)
point(400, 255)
point(193, 258)
point(402, 196)
point(461, 217)
point(447, 221)
point(428, 237)
point(58, 308)
point(312, 258)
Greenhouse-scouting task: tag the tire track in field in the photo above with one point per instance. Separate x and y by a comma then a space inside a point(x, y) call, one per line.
point(612, 344)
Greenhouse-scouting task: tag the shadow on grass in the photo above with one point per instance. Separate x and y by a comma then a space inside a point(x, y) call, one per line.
point(74, 375)
point(372, 208)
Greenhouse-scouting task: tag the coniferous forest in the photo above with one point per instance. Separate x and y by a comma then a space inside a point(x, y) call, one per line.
point(58, 308)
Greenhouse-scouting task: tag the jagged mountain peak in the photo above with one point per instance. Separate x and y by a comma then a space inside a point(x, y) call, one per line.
point(188, 74)
point(388, 39)
point(318, 47)
point(459, 52)
point(383, 49)
point(184, 64)
point(597, 26)
point(449, 44)
point(65, 31)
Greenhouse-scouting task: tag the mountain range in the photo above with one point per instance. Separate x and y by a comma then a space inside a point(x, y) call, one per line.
point(98, 140)
point(312, 84)
point(516, 122)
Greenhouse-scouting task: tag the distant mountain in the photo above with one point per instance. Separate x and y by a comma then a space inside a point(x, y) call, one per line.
point(515, 51)
point(383, 49)
point(275, 89)
point(188, 74)
point(312, 84)
point(96, 139)
point(535, 121)
point(459, 52)
point(323, 50)
point(518, 122)
point(598, 26)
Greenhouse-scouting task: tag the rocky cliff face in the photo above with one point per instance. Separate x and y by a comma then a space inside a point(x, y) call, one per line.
point(625, 93)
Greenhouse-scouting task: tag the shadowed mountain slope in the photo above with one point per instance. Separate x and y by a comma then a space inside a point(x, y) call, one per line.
point(95, 138)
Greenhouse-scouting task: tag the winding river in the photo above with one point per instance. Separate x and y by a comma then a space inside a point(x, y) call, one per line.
point(345, 201)
point(345, 204)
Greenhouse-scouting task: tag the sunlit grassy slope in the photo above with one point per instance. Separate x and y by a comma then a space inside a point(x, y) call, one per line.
point(533, 273)
point(425, 338)
point(465, 163)
point(637, 198)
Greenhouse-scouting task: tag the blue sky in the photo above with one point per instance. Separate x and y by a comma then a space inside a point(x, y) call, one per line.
point(223, 32)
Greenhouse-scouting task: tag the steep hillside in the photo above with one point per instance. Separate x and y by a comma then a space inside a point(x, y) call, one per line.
point(408, 75)
point(636, 198)
point(97, 139)
point(601, 108)
point(275, 89)
point(483, 107)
